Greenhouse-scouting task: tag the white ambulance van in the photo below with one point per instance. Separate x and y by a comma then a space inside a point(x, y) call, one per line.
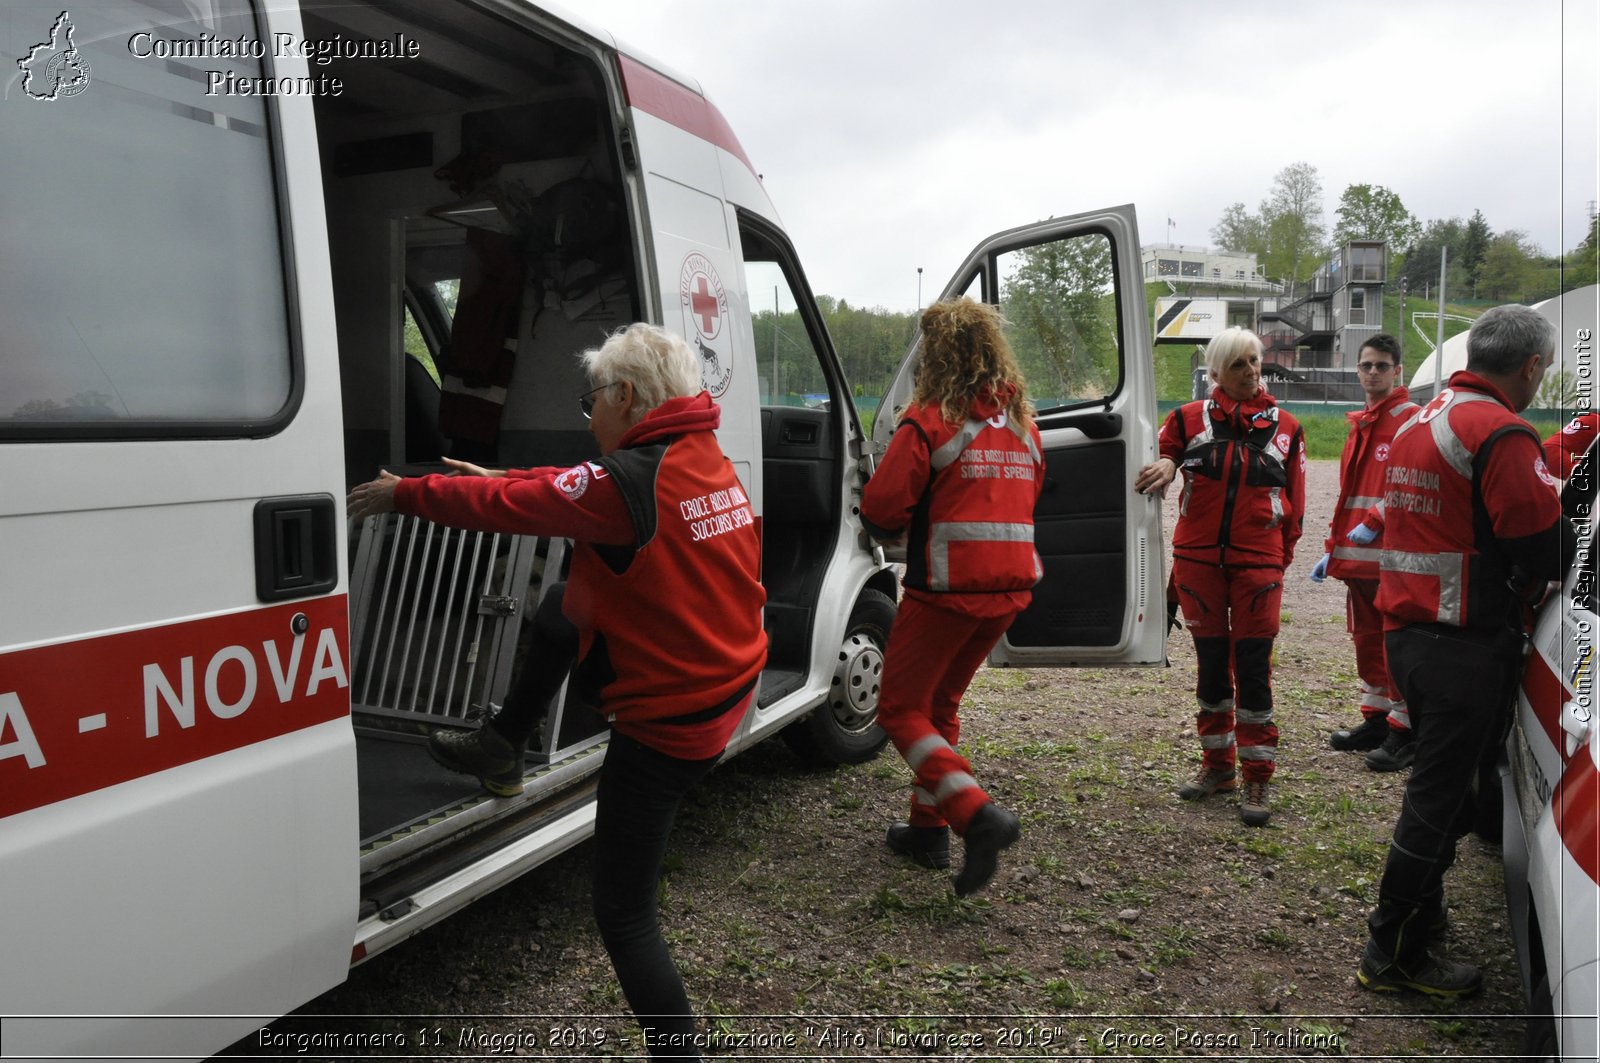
point(256, 250)
point(1551, 809)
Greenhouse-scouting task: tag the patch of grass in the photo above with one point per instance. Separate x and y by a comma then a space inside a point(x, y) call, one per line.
point(1175, 943)
point(1064, 993)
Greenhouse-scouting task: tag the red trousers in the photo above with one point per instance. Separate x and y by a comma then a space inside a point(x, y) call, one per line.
point(1233, 613)
point(1365, 624)
point(931, 658)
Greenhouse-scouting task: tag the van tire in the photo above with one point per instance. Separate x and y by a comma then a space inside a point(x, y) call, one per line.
point(844, 728)
point(1540, 1042)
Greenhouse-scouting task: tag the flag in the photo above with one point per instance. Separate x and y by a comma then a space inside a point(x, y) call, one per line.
point(1170, 222)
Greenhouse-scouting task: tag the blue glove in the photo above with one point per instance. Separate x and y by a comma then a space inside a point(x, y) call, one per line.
point(1319, 571)
point(1361, 535)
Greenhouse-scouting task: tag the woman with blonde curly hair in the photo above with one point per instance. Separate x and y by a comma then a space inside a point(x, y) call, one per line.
point(958, 483)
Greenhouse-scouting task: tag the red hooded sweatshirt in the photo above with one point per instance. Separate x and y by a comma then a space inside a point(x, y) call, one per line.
point(665, 582)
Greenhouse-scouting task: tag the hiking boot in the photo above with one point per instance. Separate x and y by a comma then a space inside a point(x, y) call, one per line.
point(1207, 781)
point(1253, 808)
point(925, 846)
point(1372, 733)
point(1426, 974)
point(1397, 751)
point(484, 753)
point(991, 830)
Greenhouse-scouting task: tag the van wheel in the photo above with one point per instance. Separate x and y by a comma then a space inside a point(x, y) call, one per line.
point(1539, 1042)
point(844, 728)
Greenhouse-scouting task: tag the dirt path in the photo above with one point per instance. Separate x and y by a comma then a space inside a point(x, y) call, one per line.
point(1124, 923)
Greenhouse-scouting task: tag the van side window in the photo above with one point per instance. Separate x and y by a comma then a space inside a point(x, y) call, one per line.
point(142, 281)
point(1060, 299)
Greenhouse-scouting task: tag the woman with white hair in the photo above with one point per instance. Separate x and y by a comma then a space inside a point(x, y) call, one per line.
point(665, 598)
point(1243, 462)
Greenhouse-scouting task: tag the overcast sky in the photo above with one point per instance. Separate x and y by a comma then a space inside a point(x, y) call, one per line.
point(893, 134)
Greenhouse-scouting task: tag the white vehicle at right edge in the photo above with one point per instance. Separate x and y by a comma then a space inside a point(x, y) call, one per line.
point(1552, 810)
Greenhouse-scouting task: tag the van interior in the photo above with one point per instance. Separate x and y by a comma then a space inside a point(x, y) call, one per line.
point(480, 237)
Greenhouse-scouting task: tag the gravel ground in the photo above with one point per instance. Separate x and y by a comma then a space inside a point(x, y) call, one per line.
point(1123, 924)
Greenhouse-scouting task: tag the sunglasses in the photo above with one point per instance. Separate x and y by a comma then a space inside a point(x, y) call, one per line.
point(1375, 367)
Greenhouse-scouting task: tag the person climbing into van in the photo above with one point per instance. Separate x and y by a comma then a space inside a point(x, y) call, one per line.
point(1244, 467)
point(959, 482)
point(666, 599)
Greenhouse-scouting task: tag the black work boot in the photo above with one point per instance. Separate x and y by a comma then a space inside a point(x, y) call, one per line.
point(925, 846)
point(1426, 973)
point(1399, 749)
point(991, 830)
point(484, 753)
point(1370, 735)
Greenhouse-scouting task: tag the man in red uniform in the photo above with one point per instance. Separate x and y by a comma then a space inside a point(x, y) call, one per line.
point(1244, 466)
point(664, 600)
point(1351, 553)
point(1473, 531)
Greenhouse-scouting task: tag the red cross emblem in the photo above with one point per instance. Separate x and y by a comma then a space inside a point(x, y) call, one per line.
point(704, 305)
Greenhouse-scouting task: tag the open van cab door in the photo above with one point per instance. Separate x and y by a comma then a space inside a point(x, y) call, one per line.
point(1072, 292)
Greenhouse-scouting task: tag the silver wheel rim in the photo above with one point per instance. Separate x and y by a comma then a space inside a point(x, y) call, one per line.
point(853, 695)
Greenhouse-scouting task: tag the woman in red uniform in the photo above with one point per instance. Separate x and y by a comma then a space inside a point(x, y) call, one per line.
point(1243, 462)
point(959, 482)
point(665, 628)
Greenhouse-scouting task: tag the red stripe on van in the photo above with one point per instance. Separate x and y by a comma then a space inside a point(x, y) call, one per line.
point(1575, 807)
point(1546, 696)
point(656, 94)
point(79, 716)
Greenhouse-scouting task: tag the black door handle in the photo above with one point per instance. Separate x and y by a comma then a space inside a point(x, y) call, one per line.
point(296, 547)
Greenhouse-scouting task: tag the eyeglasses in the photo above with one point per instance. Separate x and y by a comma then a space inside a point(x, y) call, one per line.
point(1375, 367)
point(586, 401)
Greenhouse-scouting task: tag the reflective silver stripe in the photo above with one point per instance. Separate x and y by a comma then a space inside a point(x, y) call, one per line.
point(1444, 437)
point(984, 531)
point(1259, 716)
point(1258, 753)
point(1361, 502)
point(1398, 713)
point(922, 797)
point(1207, 434)
point(954, 783)
point(1033, 451)
point(1372, 699)
point(1275, 496)
point(922, 748)
point(1222, 741)
point(1358, 553)
point(1225, 705)
point(1449, 569)
point(952, 449)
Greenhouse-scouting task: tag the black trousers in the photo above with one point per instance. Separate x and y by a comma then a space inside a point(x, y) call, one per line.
point(640, 791)
point(551, 651)
point(1458, 686)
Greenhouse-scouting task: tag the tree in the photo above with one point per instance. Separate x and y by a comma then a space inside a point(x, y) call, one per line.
point(1420, 269)
point(1582, 263)
point(1061, 303)
point(1373, 212)
point(1292, 216)
point(1508, 269)
point(1474, 244)
point(1239, 230)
